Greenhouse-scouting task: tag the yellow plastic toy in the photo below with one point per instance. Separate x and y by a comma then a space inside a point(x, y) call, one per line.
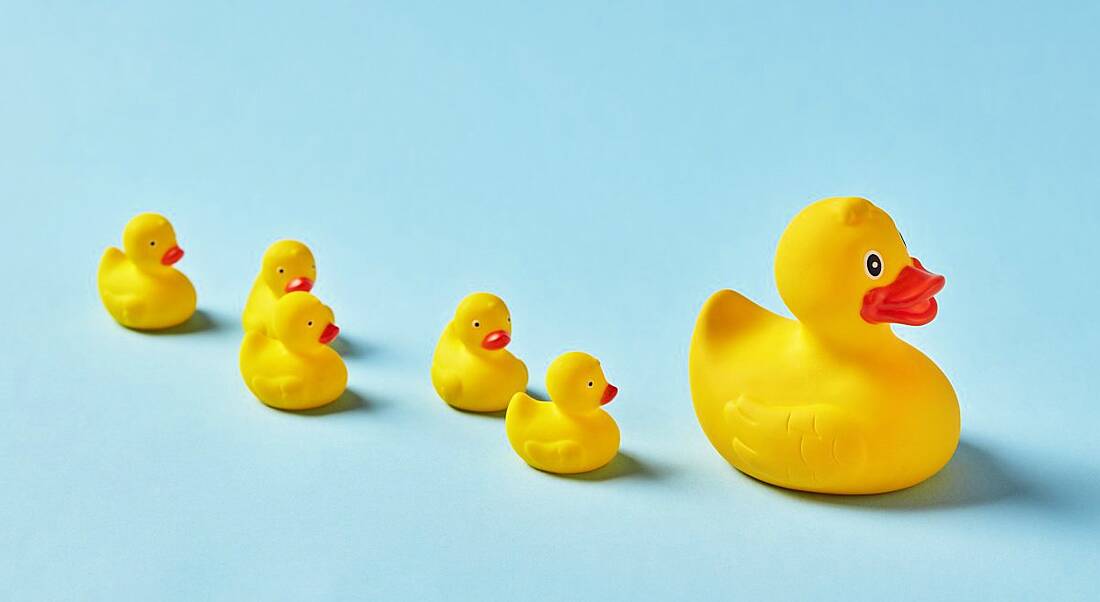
point(138, 286)
point(832, 402)
point(287, 266)
point(572, 433)
point(295, 369)
point(471, 369)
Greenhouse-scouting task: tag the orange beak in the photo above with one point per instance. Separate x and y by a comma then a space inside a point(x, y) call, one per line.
point(497, 339)
point(299, 284)
point(329, 333)
point(907, 300)
point(172, 255)
point(609, 393)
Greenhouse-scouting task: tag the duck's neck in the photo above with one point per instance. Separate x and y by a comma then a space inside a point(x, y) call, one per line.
point(851, 340)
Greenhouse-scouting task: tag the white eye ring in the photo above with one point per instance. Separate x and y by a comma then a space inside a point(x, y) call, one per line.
point(874, 265)
point(281, 270)
point(477, 324)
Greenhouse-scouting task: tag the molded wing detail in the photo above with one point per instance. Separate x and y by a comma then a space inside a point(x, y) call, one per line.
point(793, 443)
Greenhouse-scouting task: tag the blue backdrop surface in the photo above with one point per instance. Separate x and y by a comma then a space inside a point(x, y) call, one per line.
point(604, 169)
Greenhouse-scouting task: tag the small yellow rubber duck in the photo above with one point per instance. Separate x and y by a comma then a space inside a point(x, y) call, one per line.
point(138, 286)
point(287, 266)
point(572, 433)
point(295, 369)
point(471, 369)
point(832, 402)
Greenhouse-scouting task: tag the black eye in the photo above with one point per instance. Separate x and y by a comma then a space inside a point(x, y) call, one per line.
point(590, 384)
point(310, 323)
point(477, 324)
point(281, 270)
point(873, 263)
point(152, 243)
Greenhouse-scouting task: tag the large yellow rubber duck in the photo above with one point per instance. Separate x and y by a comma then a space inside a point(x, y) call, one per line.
point(832, 402)
point(295, 369)
point(471, 369)
point(138, 285)
point(287, 266)
point(572, 433)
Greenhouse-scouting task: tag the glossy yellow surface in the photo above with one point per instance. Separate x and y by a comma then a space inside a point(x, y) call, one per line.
point(471, 369)
point(139, 285)
point(287, 266)
point(571, 433)
point(295, 369)
point(829, 402)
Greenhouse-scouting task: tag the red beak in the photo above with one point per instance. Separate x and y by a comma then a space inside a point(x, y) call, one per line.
point(299, 284)
point(172, 256)
point(496, 340)
point(609, 393)
point(330, 332)
point(907, 300)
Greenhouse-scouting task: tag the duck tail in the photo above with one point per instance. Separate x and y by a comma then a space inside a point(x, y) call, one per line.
point(726, 314)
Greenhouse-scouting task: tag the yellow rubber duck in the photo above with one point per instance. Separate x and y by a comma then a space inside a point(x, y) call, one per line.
point(287, 266)
point(295, 369)
point(832, 402)
point(138, 286)
point(471, 369)
point(572, 433)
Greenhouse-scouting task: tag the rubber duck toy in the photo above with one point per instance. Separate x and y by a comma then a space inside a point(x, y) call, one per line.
point(295, 369)
point(139, 285)
point(471, 369)
point(571, 433)
point(287, 266)
point(832, 401)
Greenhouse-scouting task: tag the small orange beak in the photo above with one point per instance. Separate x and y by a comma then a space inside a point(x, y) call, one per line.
point(497, 339)
point(907, 300)
point(299, 284)
point(329, 333)
point(609, 393)
point(172, 255)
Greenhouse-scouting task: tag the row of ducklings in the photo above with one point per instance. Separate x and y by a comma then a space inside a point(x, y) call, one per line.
point(287, 363)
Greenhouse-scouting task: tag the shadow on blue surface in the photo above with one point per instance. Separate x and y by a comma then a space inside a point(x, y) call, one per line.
point(974, 477)
point(350, 401)
point(347, 346)
point(201, 321)
point(623, 466)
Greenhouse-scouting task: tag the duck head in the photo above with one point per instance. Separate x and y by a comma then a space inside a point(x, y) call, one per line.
point(288, 266)
point(150, 242)
point(303, 323)
point(576, 383)
point(843, 269)
point(483, 323)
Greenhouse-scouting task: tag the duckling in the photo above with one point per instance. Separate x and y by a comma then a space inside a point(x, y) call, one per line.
point(287, 266)
point(471, 369)
point(572, 433)
point(832, 401)
point(295, 369)
point(139, 285)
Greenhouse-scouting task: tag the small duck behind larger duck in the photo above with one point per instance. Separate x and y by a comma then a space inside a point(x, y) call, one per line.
point(833, 401)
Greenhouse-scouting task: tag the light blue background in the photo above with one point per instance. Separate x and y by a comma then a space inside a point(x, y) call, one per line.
point(604, 169)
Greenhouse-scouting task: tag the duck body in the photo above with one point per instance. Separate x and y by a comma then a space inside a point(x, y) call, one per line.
point(294, 369)
point(471, 370)
point(139, 287)
point(571, 433)
point(291, 381)
point(832, 402)
point(782, 406)
point(554, 441)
